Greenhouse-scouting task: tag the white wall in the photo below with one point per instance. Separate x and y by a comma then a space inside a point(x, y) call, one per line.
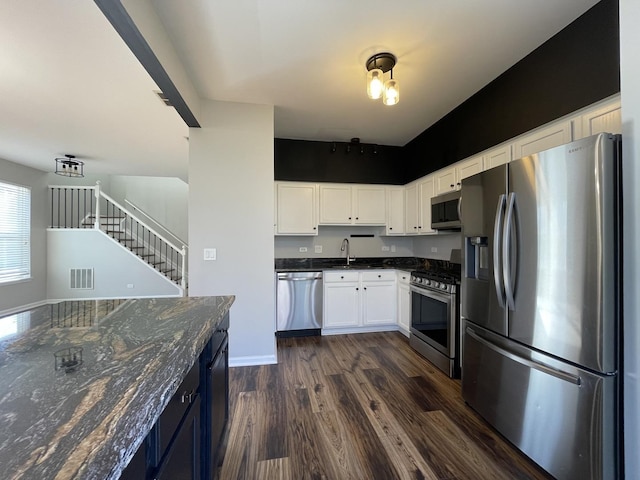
point(114, 266)
point(330, 238)
point(231, 209)
point(165, 199)
point(630, 94)
point(443, 243)
point(32, 291)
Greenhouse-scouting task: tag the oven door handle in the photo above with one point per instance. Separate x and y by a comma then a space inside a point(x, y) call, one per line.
point(443, 297)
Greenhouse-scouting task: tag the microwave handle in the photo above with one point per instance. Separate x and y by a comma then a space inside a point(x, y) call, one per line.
point(460, 208)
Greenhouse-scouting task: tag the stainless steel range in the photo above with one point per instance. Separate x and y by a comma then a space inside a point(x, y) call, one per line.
point(435, 315)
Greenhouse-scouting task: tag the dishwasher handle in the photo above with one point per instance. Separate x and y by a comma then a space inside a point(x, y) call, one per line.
point(288, 277)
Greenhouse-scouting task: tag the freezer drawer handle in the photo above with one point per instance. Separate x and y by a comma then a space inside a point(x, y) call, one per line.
point(497, 238)
point(567, 377)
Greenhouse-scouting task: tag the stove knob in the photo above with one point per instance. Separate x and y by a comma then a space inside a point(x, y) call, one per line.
point(427, 282)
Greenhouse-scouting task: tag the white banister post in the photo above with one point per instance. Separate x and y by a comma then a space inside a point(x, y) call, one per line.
point(97, 191)
point(183, 280)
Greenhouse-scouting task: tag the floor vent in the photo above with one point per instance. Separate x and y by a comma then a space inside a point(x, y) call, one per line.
point(81, 278)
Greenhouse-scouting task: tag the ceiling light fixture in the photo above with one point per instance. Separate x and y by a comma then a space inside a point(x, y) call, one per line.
point(377, 66)
point(69, 167)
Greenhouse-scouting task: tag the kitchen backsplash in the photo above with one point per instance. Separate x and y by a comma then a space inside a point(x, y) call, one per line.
point(329, 239)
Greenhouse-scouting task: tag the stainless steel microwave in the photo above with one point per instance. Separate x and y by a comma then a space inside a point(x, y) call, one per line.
point(445, 211)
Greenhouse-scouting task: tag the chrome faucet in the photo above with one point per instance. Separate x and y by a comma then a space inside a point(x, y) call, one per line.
point(345, 246)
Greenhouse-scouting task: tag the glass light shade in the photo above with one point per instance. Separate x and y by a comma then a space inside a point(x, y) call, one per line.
point(391, 92)
point(375, 83)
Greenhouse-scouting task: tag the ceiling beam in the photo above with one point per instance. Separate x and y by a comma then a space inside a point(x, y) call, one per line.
point(141, 30)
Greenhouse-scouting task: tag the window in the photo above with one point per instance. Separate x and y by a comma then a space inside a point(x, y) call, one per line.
point(15, 232)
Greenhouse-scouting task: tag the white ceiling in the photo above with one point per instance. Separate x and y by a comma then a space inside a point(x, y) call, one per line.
point(68, 84)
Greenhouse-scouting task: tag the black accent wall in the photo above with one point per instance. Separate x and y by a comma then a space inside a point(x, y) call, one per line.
point(575, 68)
point(307, 161)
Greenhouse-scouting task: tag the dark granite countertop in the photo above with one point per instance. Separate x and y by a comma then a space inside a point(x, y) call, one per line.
point(88, 422)
point(317, 264)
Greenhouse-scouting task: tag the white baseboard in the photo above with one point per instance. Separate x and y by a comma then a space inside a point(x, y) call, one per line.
point(22, 308)
point(252, 360)
point(343, 331)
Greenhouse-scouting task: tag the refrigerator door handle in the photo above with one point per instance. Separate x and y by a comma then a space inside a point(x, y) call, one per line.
point(460, 208)
point(497, 247)
point(567, 377)
point(506, 253)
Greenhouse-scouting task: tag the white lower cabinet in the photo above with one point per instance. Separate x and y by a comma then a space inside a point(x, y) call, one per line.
point(359, 301)
point(404, 302)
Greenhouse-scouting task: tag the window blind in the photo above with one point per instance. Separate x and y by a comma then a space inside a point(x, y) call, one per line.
point(15, 232)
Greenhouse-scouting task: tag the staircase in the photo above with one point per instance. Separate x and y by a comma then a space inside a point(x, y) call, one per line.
point(89, 207)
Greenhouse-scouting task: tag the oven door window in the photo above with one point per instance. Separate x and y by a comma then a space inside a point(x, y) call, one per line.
point(430, 320)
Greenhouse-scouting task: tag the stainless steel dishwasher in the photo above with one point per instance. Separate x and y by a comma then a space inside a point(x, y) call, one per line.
point(298, 304)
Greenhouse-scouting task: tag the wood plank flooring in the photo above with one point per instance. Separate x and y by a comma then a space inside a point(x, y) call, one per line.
point(363, 406)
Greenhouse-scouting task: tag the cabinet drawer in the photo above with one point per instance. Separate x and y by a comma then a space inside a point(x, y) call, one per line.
point(340, 276)
point(404, 278)
point(378, 275)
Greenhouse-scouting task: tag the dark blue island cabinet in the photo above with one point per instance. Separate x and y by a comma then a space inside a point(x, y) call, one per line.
point(187, 442)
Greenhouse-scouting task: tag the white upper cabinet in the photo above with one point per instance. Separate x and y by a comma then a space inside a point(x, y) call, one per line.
point(450, 178)
point(497, 156)
point(552, 136)
point(296, 208)
point(342, 204)
point(335, 204)
point(370, 204)
point(418, 197)
point(606, 118)
point(395, 211)
point(445, 180)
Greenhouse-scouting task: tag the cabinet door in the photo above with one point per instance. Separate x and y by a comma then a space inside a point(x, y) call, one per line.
point(341, 304)
point(445, 180)
point(335, 204)
point(404, 305)
point(426, 194)
point(411, 209)
point(379, 303)
point(183, 458)
point(497, 156)
point(296, 209)
point(607, 118)
point(370, 205)
point(544, 139)
point(468, 168)
point(395, 211)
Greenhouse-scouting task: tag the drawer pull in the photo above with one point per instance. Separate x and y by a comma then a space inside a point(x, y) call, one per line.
point(186, 397)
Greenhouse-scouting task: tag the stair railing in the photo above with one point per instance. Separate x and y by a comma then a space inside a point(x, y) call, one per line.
point(80, 207)
point(150, 220)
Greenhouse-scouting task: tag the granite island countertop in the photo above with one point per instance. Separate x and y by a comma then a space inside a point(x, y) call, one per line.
point(87, 423)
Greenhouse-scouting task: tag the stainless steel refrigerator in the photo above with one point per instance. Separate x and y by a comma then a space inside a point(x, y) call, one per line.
point(540, 303)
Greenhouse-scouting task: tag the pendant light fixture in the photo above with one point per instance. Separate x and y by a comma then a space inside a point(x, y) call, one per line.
point(69, 166)
point(377, 65)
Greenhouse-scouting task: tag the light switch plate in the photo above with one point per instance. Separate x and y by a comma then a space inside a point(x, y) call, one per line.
point(385, 248)
point(303, 249)
point(209, 254)
point(434, 249)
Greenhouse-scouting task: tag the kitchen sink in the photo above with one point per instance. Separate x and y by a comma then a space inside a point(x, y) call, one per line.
point(353, 267)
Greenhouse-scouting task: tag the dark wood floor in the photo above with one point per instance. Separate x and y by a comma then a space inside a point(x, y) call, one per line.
point(359, 407)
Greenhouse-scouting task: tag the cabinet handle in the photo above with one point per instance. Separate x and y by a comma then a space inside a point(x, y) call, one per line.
point(451, 185)
point(379, 276)
point(186, 397)
point(349, 218)
point(357, 218)
point(357, 289)
point(458, 183)
point(341, 276)
point(365, 288)
point(390, 228)
point(314, 228)
point(419, 226)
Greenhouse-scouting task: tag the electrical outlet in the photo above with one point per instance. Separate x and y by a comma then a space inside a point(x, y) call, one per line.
point(129, 285)
point(434, 249)
point(209, 254)
point(318, 248)
point(303, 249)
point(385, 248)
point(393, 248)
